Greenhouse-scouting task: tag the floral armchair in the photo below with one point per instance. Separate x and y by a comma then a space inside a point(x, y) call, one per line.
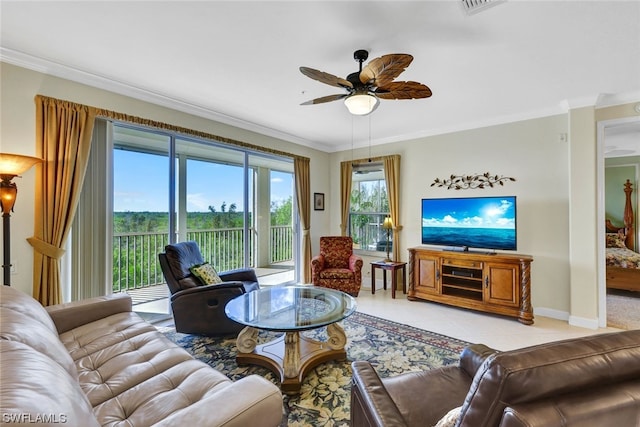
point(337, 267)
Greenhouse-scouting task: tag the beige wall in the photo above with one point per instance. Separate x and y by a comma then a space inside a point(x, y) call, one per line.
point(17, 135)
point(556, 181)
point(582, 216)
point(530, 151)
point(554, 162)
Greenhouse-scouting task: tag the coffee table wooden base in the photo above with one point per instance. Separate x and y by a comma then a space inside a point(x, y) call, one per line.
point(292, 355)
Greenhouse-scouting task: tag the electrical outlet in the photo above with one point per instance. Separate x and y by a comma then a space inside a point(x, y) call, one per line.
point(14, 267)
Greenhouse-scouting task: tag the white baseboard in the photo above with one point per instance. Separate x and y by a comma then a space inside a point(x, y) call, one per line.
point(563, 315)
point(551, 313)
point(583, 322)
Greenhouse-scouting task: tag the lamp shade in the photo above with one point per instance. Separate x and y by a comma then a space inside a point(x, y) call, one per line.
point(15, 164)
point(361, 104)
point(8, 192)
point(387, 224)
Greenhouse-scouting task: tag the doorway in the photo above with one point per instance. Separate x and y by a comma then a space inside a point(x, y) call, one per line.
point(618, 146)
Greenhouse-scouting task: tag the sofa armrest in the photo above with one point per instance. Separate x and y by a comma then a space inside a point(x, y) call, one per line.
point(251, 400)
point(77, 313)
point(614, 405)
point(473, 356)
point(239, 275)
point(355, 262)
point(371, 404)
point(317, 262)
point(205, 290)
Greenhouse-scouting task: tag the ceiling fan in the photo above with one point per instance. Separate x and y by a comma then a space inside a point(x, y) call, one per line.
point(370, 83)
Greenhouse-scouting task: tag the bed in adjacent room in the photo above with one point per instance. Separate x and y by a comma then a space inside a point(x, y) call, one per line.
point(622, 261)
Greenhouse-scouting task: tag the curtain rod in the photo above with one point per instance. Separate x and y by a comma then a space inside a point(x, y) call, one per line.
point(115, 115)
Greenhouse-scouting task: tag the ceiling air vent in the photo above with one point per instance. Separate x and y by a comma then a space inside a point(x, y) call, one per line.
point(475, 6)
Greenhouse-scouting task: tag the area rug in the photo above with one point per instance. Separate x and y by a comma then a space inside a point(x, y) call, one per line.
point(324, 400)
point(623, 309)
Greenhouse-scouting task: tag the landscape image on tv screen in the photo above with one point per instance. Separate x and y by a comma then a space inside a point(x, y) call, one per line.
point(472, 222)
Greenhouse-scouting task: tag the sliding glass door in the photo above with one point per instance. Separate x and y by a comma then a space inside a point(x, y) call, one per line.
point(236, 204)
point(140, 220)
point(211, 203)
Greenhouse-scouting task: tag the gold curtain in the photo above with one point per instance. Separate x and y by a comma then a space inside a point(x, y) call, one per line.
point(303, 197)
point(63, 141)
point(345, 195)
point(63, 138)
point(127, 118)
point(392, 179)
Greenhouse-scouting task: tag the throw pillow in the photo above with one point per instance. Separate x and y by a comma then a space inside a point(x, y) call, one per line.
point(449, 420)
point(615, 240)
point(206, 274)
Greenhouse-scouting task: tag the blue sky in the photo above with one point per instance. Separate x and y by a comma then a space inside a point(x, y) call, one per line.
point(476, 212)
point(141, 184)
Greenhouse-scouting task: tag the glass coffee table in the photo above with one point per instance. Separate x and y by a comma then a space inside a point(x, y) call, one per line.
point(291, 309)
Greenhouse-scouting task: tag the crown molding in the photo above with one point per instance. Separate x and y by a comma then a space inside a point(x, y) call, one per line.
point(601, 100)
point(55, 69)
point(610, 100)
point(459, 127)
point(579, 102)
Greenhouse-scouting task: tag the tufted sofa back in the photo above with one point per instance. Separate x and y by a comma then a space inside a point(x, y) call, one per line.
point(547, 371)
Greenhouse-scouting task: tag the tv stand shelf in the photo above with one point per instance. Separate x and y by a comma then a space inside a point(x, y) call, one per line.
point(494, 283)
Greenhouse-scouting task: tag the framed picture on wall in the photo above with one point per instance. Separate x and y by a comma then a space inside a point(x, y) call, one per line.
point(318, 201)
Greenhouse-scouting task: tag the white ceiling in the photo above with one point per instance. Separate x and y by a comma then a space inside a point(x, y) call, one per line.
point(237, 61)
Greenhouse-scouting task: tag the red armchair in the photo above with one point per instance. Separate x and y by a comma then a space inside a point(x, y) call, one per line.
point(337, 267)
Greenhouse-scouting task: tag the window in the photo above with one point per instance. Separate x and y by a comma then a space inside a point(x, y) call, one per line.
point(369, 206)
point(217, 191)
point(157, 187)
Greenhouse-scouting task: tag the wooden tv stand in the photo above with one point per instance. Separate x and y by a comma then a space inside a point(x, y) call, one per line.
point(490, 282)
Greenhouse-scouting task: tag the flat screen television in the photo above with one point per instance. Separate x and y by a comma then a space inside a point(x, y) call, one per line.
point(470, 222)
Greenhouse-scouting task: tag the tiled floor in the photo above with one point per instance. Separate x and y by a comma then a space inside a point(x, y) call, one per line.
point(157, 296)
point(499, 332)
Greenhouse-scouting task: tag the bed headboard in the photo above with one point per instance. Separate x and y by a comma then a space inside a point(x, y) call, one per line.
point(628, 229)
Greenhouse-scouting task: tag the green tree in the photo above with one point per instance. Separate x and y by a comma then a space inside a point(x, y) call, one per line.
point(226, 219)
point(281, 212)
point(361, 201)
point(369, 202)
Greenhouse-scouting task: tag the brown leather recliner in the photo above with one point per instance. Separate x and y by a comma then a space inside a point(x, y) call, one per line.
point(199, 309)
point(592, 381)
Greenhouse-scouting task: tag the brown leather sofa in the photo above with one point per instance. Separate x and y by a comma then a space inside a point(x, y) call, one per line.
point(588, 382)
point(197, 308)
point(96, 363)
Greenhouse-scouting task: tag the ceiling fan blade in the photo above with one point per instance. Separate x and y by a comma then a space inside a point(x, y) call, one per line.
point(326, 78)
point(324, 99)
point(403, 90)
point(381, 71)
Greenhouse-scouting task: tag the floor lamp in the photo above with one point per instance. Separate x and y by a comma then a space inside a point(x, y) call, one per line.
point(387, 225)
point(11, 165)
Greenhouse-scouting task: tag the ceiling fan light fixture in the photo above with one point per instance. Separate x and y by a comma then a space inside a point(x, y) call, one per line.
point(361, 104)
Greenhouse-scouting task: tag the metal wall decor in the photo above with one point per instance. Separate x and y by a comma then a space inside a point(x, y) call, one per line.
point(464, 182)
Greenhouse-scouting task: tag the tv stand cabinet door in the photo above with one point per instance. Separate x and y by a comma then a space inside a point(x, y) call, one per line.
point(502, 285)
point(426, 275)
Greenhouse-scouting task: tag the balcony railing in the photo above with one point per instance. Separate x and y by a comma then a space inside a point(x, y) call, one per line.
point(135, 255)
